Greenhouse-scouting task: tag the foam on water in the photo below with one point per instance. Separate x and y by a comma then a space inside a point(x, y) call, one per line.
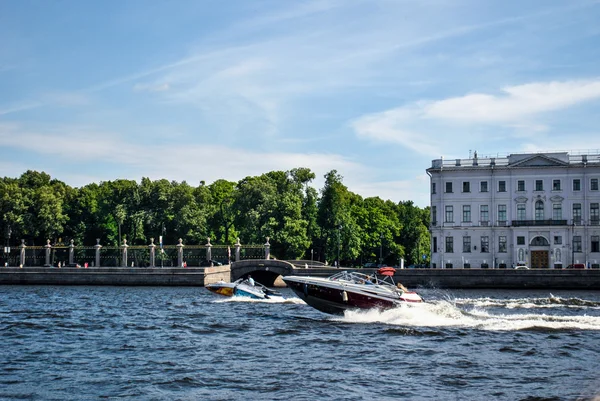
point(275, 300)
point(475, 315)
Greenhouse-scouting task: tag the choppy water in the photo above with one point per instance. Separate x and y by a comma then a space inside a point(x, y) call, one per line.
point(151, 343)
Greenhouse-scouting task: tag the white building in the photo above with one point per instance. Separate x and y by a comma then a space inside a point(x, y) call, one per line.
point(537, 209)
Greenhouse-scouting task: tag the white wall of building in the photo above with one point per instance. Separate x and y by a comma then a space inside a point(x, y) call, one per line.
point(545, 186)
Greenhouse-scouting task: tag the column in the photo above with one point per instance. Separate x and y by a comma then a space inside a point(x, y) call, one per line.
point(71, 253)
point(180, 253)
point(267, 249)
point(48, 250)
point(98, 247)
point(152, 249)
point(124, 246)
point(208, 251)
point(237, 250)
point(22, 254)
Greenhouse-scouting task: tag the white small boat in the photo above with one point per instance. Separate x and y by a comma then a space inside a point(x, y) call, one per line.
point(244, 288)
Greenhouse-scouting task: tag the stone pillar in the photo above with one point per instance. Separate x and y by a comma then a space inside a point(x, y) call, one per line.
point(267, 249)
point(48, 250)
point(237, 250)
point(180, 253)
point(98, 247)
point(22, 254)
point(72, 253)
point(124, 246)
point(152, 248)
point(208, 250)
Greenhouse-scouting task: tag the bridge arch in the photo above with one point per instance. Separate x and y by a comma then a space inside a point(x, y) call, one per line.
point(262, 270)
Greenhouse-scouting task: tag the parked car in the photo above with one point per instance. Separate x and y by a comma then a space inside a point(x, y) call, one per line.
point(576, 266)
point(521, 267)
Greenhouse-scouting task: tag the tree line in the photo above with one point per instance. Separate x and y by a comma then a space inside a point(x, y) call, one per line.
point(301, 222)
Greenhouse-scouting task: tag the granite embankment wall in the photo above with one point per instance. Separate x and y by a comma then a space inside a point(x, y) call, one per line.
point(412, 278)
point(114, 276)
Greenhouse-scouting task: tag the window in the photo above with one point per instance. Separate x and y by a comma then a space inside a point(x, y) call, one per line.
point(539, 185)
point(520, 185)
point(466, 244)
point(576, 184)
point(501, 212)
point(521, 211)
point(502, 243)
point(595, 243)
point(501, 186)
point(434, 244)
point(466, 186)
point(594, 184)
point(485, 244)
point(556, 211)
point(449, 214)
point(576, 213)
point(594, 215)
point(577, 243)
point(449, 187)
point(556, 185)
point(433, 187)
point(434, 215)
point(484, 214)
point(539, 210)
point(557, 240)
point(449, 244)
point(466, 213)
point(483, 186)
point(520, 240)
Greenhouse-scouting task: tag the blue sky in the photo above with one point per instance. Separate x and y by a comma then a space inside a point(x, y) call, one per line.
point(196, 90)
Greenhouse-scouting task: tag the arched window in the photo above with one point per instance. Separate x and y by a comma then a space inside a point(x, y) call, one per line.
point(539, 210)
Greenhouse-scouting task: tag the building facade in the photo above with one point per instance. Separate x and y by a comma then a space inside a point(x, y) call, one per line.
point(539, 210)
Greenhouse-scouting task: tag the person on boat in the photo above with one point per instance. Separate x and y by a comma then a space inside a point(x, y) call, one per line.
point(251, 281)
point(400, 286)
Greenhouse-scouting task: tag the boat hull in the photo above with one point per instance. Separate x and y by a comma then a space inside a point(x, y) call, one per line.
point(243, 290)
point(336, 300)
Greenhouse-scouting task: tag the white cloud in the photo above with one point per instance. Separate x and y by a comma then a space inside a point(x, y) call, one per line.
point(515, 103)
point(430, 127)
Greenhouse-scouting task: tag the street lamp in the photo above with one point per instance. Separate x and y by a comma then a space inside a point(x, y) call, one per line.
point(381, 249)
point(311, 258)
point(338, 250)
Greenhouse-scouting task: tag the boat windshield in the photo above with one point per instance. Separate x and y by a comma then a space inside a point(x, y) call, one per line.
point(359, 278)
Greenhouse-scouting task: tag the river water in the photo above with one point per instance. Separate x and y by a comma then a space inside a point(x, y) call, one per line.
point(165, 343)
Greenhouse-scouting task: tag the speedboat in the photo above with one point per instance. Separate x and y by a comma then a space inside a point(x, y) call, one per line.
point(352, 290)
point(244, 288)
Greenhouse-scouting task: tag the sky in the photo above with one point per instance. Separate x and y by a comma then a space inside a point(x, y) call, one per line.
point(200, 90)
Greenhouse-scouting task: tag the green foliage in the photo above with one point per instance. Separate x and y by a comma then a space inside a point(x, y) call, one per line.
point(282, 205)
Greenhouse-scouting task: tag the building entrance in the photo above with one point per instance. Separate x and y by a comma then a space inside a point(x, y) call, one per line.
point(539, 259)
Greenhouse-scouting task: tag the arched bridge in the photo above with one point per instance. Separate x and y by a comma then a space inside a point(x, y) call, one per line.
point(262, 270)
